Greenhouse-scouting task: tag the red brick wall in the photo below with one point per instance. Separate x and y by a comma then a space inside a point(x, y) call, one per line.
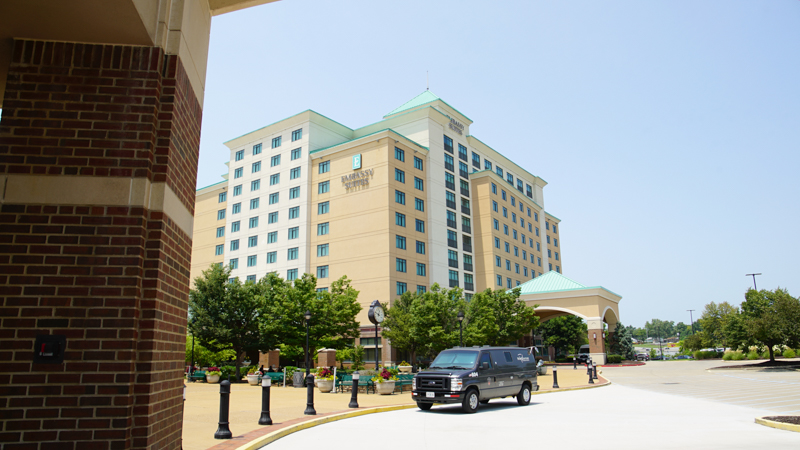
point(114, 279)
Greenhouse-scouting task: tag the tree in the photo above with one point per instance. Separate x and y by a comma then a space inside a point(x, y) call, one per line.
point(693, 343)
point(621, 342)
point(713, 322)
point(497, 317)
point(204, 356)
point(565, 333)
point(660, 329)
point(398, 325)
point(435, 324)
point(768, 318)
point(227, 315)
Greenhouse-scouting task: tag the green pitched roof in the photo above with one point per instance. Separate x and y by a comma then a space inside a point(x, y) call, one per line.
point(549, 282)
point(421, 99)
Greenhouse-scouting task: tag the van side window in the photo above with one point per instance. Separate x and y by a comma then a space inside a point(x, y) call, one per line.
point(486, 358)
point(508, 356)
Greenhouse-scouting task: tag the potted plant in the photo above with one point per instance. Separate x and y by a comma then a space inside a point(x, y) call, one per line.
point(404, 367)
point(212, 374)
point(384, 382)
point(252, 376)
point(324, 380)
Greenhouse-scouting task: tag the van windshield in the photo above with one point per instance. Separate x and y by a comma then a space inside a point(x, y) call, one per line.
point(458, 359)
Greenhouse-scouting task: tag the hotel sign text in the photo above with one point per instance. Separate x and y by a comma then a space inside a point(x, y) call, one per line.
point(360, 178)
point(456, 126)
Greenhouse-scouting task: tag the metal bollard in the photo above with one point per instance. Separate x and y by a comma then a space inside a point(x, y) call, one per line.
point(354, 393)
point(265, 419)
point(223, 432)
point(594, 365)
point(574, 363)
point(591, 381)
point(555, 377)
point(310, 411)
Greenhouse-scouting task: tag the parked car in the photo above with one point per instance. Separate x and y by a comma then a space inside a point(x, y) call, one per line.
point(684, 357)
point(583, 354)
point(475, 375)
point(642, 357)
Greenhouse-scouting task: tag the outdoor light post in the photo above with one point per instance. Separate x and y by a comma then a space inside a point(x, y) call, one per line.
point(754, 279)
point(191, 369)
point(691, 319)
point(308, 319)
point(460, 328)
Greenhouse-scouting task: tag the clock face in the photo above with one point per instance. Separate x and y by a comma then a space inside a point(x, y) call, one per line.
point(379, 316)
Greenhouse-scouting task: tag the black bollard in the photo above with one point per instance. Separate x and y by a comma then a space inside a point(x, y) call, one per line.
point(591, 381)
point(354, 393)
point(574, 363)
point(310, 411)
point(265, 419)
point(555, 377)
point(223, 432)
point(594, 365)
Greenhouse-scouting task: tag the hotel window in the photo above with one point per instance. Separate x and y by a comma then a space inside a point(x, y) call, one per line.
point(291, 274)
point(499, 280)
point(275, 161)
point(322, 229)
point(272, 237)
point(421, 289)
point(256, 167)
point(496, 224)
point(496, 242)
point(548, 239)
point(554, 229)
point(254, 222)
point(516, 251)
point(452, 258)
point(494, 206)
point(536, 216)
point(236, 208)
point(400, 265)
point(452, 239)
point(254, 203)
point(219, 250)
point(520, 207)
point(399, 154)
point(450, 199)
point(324, 167)
point(462, 152)
point(294, 192)
point(237, 190)
point(558, 269)
point(255, 185)
point(449, 181)
point(514, 232)
point(524, 255)
point(296, 153)
point(476, 160)
point(272, 257)
point(220, 214)
point(239, 155)
point(294, 213)
point(487, 165)
point(323, 187)
point(418, 163)
point(420, 269)
point(294, 232)
point(556, 256)
point(508, 282)
point(420, 226)
point(505, 212)
point(468, 281)
point(465, 225)
point(400, 242)
point(297, 135)
point(510, 178)
point(528, 190)
point(399, 175)
point(463, 170)
point(252, 241)
point(401, 288)
point(550, 266)
point(499, 171)
point(272, 218)
point(451, 219)
point(292, 253)
point(498, 261)
point(322, 250)
point(419, 204)
point(400, 197)
point(464, 187)
point(322, 207)
point(448, 144)
point(251, 261)
point(235, 227)
point(494, 189)
point(294, 173)
point(555, 242)
point(257, 149)
point(503, 194)
point(420, 247)
point(525, 271)
point(505, 229)
point(418, 184)
point(508, 265)
point(539, 261)
point(274, 179)
point(223, 196)
point(453, 275)
point(399, 219)
point(276, 142)
point(322, 271)
point(508, 248)
point(238, 173)
point(538, 247)
point(234, 263)
point(529, 212)
point(221, 232)
point(523, 238)
point(519, 185)
point(449, 163)
point(537, 231)
point(513, 201)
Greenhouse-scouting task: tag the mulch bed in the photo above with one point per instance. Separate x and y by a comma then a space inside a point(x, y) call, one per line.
point(794, 420)
point(765, 365)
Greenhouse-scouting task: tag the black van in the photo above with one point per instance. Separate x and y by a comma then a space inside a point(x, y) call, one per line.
point(474, 375)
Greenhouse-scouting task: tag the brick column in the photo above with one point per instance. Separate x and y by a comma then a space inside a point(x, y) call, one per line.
point(98, 163)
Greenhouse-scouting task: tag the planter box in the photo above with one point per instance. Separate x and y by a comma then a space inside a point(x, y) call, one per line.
point(212, 378)
point(385, 388)
point(404, 369)
point(252, 379)
point(325, 385)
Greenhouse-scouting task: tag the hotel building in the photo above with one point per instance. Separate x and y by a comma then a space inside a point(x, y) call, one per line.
point(411, 200)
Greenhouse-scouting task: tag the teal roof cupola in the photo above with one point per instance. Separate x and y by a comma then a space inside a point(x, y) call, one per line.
point(421, 99)
point(549, 282)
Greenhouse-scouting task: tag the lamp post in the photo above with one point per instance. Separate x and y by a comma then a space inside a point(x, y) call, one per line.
point(460, 328)
point(691, 319)
point(191, 369)
point(754, 279)
point(308, 319)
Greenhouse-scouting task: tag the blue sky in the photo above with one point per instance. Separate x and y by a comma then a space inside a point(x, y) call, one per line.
point(668, 131)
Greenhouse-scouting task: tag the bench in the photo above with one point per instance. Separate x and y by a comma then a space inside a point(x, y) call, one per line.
point(198, 375)
point(403, 379)
point(275, 377)
point(363, 381)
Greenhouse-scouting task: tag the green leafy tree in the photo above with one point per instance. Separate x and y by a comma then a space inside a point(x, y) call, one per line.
point(497, 317)
point(693, 343)
point(397, 327)
point(204, 356)
point(660, 329)
point(435, 324)
point(565, 333)
point(621, 343)
point(713, 323)
point(767, 318)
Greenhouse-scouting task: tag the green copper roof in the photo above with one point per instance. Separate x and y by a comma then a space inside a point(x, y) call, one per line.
point(549, 282)
point(421, 99)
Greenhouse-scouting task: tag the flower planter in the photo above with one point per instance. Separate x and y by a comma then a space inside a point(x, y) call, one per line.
point(404, 369)
point(325, 385)
point(212, 378)
point(252, 379)
point(385, 388)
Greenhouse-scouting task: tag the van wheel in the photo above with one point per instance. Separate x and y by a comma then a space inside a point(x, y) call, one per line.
point(524, 396)
point(485, 402)
point(470, 402)
point(424, 406)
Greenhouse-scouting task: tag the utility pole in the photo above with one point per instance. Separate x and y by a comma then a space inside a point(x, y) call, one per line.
point(691, 319)
point(754, 278)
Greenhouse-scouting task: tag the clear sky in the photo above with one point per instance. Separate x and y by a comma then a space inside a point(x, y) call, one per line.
point(668, 131)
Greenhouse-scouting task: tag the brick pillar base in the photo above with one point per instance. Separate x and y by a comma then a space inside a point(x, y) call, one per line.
point(597, 346)
point(98, 158)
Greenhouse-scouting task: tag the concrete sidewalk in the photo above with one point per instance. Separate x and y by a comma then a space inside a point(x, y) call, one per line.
point(201, 409)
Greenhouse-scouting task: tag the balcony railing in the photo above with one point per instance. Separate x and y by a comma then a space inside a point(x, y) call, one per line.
point(449, 166)
point(467, 247)
point(451, 224)
point(465, 192)
point(452, 243)
point(466, 228)
point(451, 204)
point(450, 185)
point(452, 263)
point(469, 287)
point(468, 267)
point(477, 164)
point(462, 156)
point(464, 209)
point(453, 283)
point(448, 148)
point(463, 173)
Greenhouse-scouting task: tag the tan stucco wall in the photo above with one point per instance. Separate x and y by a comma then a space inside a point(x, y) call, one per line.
point(205, 229)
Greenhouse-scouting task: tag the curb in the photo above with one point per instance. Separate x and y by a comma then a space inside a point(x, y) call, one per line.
point(275, 435)
point(779, 425)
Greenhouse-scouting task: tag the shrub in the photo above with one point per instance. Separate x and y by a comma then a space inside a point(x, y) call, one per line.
point(733, 355)
point(704, 355)
point(789, 353)
point(752, 355)
point(227, 371)
point(614, 359)
point(561, 359)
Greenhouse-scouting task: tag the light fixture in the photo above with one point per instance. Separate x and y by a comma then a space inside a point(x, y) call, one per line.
point(308, 315)
point(594, 335)
point(460, 316)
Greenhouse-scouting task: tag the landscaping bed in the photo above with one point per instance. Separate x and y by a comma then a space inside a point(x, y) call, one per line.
point(777, 364)
point(794, 420)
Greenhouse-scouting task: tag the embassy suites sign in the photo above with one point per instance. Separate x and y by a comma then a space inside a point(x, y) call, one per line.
point(360, 178)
